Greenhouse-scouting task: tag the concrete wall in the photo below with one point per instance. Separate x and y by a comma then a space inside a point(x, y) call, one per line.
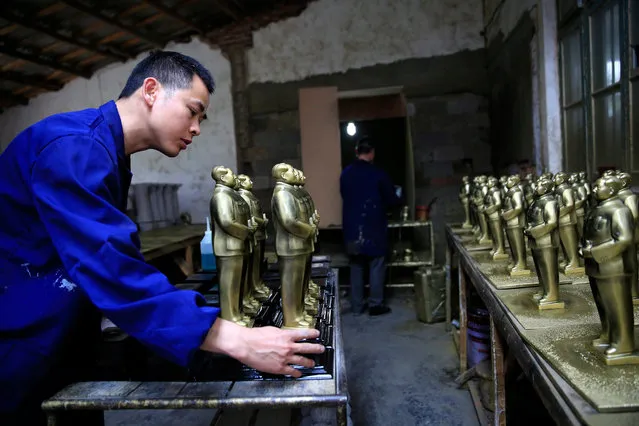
point(215, 145)
point(434, 49)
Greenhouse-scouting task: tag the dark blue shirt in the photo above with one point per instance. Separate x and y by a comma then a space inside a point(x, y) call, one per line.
point(367, 194)
point(66, 244)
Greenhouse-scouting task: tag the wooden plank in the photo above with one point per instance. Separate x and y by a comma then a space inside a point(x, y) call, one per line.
point(473, 388)
point(308, 387)
point(157, 390)
point(499, 380)
point(205, 390)
point(463, 321)
point(96, 390)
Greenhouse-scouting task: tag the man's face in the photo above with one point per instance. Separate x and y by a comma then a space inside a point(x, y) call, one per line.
point(289, 176)
point(176, 116)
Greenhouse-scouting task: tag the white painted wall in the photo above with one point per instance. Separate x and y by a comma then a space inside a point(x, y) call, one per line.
point(332, 36)
point(192, 168)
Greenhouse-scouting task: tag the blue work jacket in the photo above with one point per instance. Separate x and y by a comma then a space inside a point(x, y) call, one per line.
point(67, 247)
point(367, 195)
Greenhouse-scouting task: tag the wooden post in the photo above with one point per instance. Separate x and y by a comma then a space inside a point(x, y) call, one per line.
point(499, 381)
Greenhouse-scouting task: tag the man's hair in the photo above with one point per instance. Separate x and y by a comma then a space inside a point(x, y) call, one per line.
point(364, 146)
point(173, 70)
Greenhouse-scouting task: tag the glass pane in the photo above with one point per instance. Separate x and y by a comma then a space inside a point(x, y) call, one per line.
point(575, 139)
point(634, 122)
point(571, 67)
point(606, 65)
point(609, 144)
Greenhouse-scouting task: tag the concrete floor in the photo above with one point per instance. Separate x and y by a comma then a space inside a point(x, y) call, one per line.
point(400, 372)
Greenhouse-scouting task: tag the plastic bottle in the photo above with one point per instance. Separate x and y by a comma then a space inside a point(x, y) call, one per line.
point(206, 249)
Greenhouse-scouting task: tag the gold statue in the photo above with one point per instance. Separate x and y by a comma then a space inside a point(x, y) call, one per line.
point(631, 201)
point(579, 193)
point(610, 255)
point(492, 203)
point(478, 198)
point(514, 215)
point(568, 225)
point(543, 240)
point(464, 197)
point(502, 186)
point(310, 290)
point(294, 232)
point(529, 189)
point(584, 182)
point(254, 286)
point(233, 227)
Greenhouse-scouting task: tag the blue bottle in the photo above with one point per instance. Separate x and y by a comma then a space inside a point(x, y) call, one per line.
point(206, 250)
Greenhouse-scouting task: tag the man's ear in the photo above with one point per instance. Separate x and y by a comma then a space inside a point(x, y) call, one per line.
point(150, 90)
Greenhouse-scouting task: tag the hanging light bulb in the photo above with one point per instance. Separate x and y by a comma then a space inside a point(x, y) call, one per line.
point(351, 129)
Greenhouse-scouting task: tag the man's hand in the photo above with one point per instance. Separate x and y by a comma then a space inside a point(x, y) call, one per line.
point(267, 349)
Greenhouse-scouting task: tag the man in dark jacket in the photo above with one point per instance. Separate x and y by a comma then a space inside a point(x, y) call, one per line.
point(367, 194)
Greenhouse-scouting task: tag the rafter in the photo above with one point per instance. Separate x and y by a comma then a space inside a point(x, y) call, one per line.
point(113, 22)
point(31, 80)
point(173, 13)
point(8, 98)
point(224, 8)
point(37, 57)
point(23, 19)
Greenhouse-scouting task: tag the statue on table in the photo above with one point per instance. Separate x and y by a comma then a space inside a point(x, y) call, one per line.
point(579, 193)
point(311, 290)
point(254, 286)
point(610, 256)
point(528, 188)
point(294, 232)
point(631, 201)
point(514, 215)
point(492, 202)
point(583, 180)
point(233, 228)
point(543, 238)
point(478, 198)
point(502, 186)
point(568, 225)
point(464, 197)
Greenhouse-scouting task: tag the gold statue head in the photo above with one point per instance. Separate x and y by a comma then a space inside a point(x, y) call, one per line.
point(300, 179)
point(502, 180)
point(546, 175)
point(529, 177)
point(573, 178)
point(245, 182)
point(625, 179)
point(465, 179)
point(560, 178)
point(482, 179)
point(544, 186)
point(512, 181)
point(224, 176)
point(492, 182)
point(582, 176)
point(606, 187)
point(609, 172)
point(283, 172)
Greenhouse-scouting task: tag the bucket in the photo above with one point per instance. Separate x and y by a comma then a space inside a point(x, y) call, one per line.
point(478, 336)
point(421, 213)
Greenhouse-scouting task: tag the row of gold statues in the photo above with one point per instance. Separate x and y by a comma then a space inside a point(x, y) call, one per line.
point(238, 243)
point(593, 229)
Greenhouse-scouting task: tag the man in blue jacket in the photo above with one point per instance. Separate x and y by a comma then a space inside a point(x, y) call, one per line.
point(367, 194)
point(67, 247)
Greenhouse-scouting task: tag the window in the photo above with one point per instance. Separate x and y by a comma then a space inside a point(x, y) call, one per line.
point(600, 84)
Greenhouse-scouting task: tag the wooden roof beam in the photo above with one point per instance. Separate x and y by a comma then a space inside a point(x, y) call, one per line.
point(8, 98)
point(173, 13)
point(22, 18)
point(32, 55)
point(226, 9)
point(113, 22)
point(31, 80)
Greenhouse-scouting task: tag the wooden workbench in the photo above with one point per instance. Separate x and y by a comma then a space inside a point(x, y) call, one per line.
point(177, 241)
point(562, 401)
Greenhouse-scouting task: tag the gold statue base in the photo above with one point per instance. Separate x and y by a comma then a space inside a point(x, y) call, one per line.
point(547, 306)
point(500, 278)
point(520, 272)
point(624, 359)
point(573, 271)
point(458, 228)
point(578, 307)
point(569, 351)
